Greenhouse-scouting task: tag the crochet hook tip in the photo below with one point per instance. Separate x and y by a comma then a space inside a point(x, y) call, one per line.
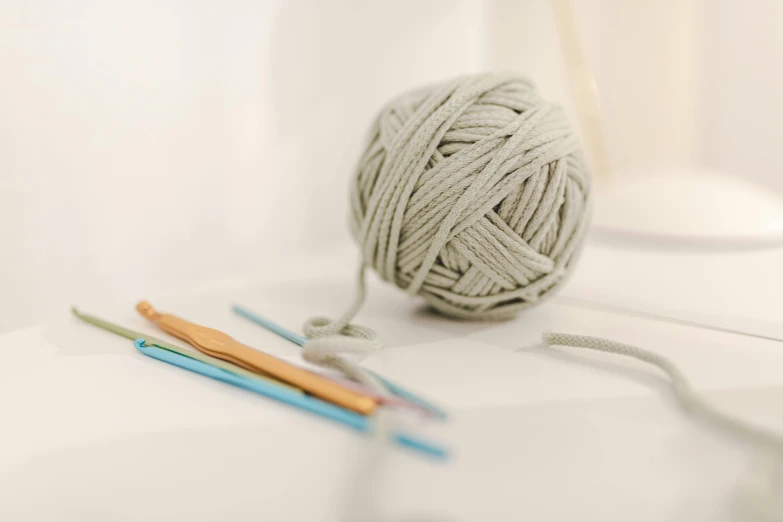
point(146, 310)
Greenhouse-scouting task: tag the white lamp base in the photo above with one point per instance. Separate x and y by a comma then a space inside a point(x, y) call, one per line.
point(687, 208)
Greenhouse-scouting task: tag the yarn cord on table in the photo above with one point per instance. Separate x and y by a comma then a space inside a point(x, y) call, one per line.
point(761, 495)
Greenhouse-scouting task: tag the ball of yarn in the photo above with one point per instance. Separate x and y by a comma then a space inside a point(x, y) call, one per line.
point(473, 194)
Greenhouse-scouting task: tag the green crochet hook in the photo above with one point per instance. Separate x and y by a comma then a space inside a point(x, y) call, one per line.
point(133, 335)
point(231, 374)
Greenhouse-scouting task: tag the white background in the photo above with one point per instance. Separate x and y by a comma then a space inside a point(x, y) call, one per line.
point(156, 146)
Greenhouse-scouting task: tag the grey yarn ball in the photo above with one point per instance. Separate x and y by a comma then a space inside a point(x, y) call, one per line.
point(473, 194)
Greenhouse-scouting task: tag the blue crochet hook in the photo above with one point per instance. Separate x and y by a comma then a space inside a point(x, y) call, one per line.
point(231, 374)
point(396, 389)
point(273, 391)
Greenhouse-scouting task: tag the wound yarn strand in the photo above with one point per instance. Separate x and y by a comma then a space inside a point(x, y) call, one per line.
point(328, 340)
point(691, 401)
point(760, 497)
point(473, 194)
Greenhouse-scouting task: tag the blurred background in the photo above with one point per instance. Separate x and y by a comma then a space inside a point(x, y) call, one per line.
point(159, 145)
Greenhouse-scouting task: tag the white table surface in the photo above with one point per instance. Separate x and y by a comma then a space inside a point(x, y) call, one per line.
point(93, 430)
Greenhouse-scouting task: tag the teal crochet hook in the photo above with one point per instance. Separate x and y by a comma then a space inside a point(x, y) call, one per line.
point(279, 393)
point(231, 374)
point(396, 389)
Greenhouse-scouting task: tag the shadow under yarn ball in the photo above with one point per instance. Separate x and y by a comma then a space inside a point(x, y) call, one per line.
point(473, 194)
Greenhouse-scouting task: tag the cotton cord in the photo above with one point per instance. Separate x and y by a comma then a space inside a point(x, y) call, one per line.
point(364, 501)
point(370, 466)
point(762, 492)
point(328, 341)
point(473, 194)
point(328, 344)
point(331, 344)
point(691, 401)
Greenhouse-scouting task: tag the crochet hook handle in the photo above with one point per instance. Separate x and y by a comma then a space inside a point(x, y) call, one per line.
point(218, 344)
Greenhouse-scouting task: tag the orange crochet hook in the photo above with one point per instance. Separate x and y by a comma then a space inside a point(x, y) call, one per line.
point(219, 345)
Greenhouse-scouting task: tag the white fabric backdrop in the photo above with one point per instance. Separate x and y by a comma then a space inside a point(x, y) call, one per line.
point(159, 145)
